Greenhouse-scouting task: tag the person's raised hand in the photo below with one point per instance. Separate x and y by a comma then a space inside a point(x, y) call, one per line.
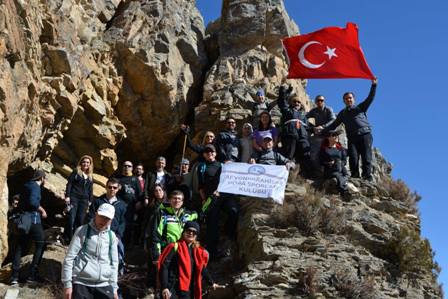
point(166, 294)
point(375, 81)
point(185, 128)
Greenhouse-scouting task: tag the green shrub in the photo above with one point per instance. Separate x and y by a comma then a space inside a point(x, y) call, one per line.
point(398, 190)
point(411, 254)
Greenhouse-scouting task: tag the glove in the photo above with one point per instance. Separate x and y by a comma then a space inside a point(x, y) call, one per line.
point(185, 129)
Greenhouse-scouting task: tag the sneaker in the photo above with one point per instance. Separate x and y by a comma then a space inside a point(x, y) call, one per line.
point(14, 281)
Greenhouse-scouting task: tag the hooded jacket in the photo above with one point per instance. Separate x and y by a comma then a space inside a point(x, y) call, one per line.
point(94, 266)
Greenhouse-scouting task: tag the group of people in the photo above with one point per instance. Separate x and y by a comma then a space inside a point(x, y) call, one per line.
point(163, 211)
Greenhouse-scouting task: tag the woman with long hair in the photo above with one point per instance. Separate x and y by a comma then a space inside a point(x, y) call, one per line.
point(265, 127)
point(209, 138)
point(78, 195)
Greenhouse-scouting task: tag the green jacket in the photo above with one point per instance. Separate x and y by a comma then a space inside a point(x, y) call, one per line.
point(168, 228)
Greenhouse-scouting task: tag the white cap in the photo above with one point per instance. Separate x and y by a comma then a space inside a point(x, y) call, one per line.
point(106, 210)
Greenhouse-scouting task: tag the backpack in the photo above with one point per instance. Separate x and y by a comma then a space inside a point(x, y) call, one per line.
point(84, 244)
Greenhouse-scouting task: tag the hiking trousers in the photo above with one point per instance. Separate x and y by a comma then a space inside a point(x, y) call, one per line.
point(360, 145)
point(84, 292)
point(35, 234)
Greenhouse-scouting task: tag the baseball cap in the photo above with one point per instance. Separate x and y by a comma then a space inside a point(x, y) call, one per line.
point(209, 148)
point(106, 210)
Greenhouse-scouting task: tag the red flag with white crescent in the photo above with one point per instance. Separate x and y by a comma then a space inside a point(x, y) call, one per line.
point(331, 52)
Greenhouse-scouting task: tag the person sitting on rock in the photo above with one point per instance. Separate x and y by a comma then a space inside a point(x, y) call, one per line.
point(131, 193)
point(269, 156)
point(228, 143)
point(323, 116)
point(118, 224)
point(90, 267)
point(182, 266)
point(78, 195)
point(246, 143)
point(265, 127)
point(32, 213)
point(169, 223)
point(333, 157)
point(359, 132)
point(295, 130)
point(209, 138)
point(213, 202)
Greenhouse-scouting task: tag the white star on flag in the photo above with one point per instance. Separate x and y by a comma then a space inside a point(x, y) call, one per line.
point(331, 52)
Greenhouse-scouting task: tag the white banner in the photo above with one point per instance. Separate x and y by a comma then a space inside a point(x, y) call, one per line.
point(266, 181)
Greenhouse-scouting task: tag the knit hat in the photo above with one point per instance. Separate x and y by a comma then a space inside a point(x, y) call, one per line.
point(184, 161)
point(260, 93)
point(192, 224)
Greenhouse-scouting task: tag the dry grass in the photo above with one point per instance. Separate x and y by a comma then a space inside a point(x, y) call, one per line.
point(350, 286)
point(308, 282)
point(398, 190)
point(412, 254)
point(311, 214)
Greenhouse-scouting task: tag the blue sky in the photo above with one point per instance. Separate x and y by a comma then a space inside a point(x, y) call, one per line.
point(406, 46)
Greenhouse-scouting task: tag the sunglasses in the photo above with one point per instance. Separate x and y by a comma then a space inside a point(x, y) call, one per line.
point(191, 231)
point(319, 100)
point(112, 187)
point(126, 165)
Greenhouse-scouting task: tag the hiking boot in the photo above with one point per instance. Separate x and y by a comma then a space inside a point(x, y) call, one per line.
point(34, 278)
point(14, 281)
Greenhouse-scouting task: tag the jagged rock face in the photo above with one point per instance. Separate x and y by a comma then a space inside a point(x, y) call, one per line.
point(106, 78)
point(250, 56)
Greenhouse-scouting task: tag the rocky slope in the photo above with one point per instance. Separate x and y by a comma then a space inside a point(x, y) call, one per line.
point(115, 78)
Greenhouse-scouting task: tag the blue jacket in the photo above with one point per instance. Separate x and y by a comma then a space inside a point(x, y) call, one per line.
point(118, 224)
point(30, 200)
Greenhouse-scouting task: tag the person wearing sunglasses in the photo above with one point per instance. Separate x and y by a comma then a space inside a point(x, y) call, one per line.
point(182, 266)
point(323, 116)
point(294, 136)
point(118, 224)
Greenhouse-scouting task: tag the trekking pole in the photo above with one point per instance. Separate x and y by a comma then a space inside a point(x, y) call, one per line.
point(183, 154)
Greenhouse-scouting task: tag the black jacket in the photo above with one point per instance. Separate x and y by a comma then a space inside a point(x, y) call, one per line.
point(79, 187)
point(228, 146)
point(269, 157)
point(337, 155)
point(290, 116)
point(354, 118)
point(118, 224)
point(208, 176)
point(323, 117)
point(130, 191)
point(150, 182)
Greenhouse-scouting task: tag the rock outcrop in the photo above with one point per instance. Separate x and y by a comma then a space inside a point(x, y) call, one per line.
point(114, 79)
point(106, 78)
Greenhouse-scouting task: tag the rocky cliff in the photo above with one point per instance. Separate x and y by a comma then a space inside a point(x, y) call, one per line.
point(115, 78)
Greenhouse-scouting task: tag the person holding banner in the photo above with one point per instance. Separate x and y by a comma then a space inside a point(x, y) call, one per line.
point(358, 130)
point(269, 156)
point(213, 202)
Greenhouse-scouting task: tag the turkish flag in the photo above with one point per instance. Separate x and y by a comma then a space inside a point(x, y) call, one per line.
point(331, 52)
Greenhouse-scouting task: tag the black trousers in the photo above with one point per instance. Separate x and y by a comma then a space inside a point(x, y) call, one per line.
point(360, 145)
point(300, 151)
point(225, 202)
point(341, 180)
point(84, 292)
point(35, 234)
point(76, 216)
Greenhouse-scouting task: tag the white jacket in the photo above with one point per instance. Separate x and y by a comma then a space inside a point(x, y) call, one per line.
point(96, 266)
